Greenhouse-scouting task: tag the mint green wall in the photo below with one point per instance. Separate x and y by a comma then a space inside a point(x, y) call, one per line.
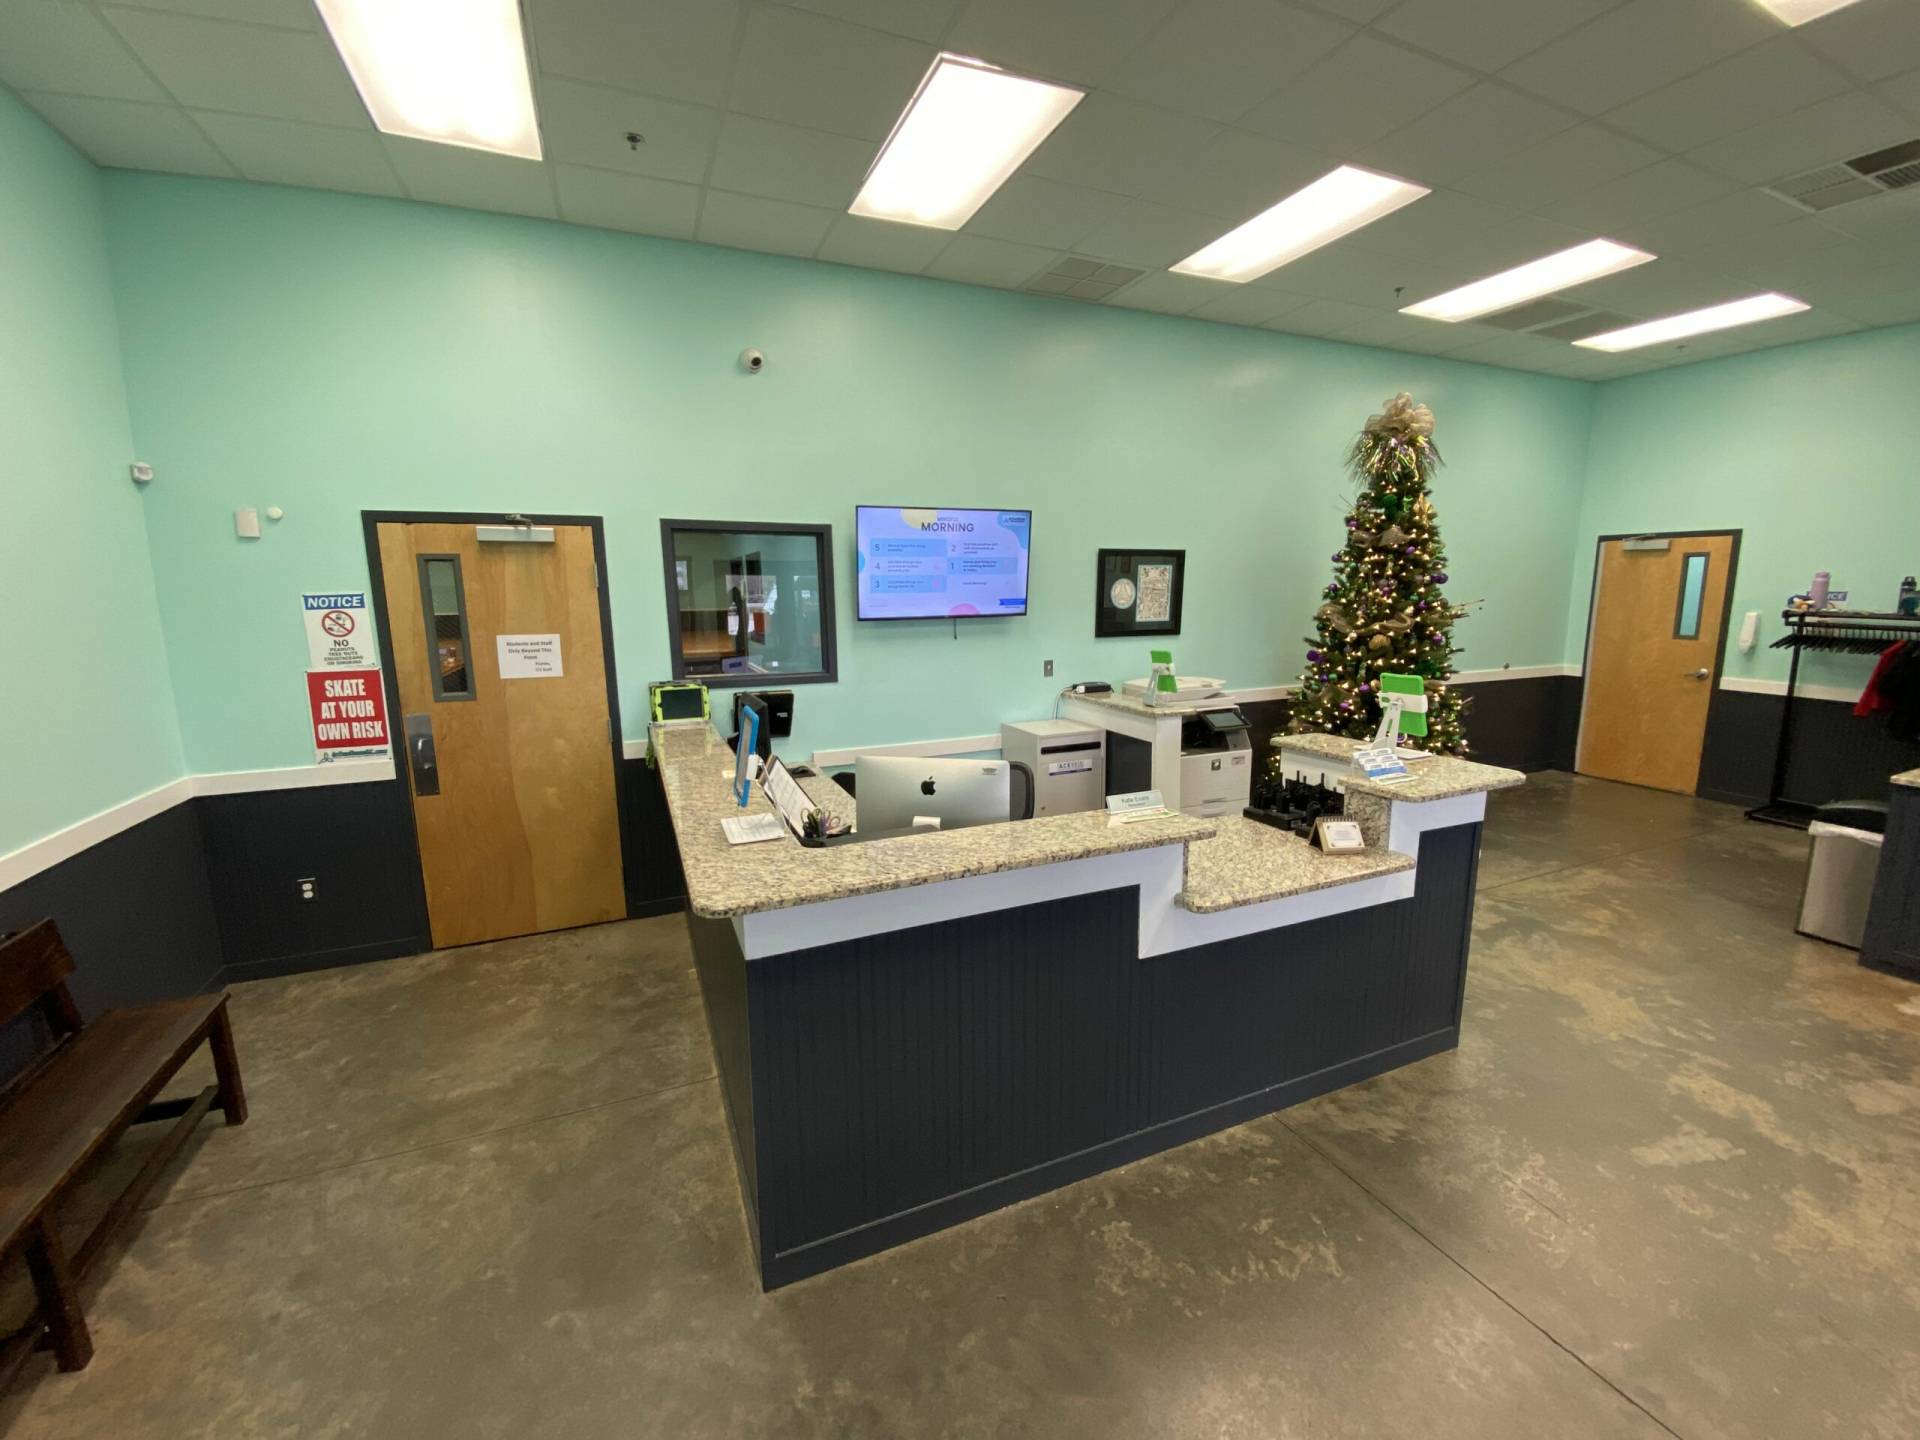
point(1801, 447)
point(89, 718)
point(329, 353)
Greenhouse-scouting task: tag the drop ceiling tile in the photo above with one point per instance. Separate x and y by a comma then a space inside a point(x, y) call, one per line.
point(132, 136)
point(285, 152)
point(1475, 128)
point(1517, 352)
point(882, 244)
point(1364, 91)
point(1516, 241)
point(1755, 85)
point(1434, 337)
point(1444, 225)
point(1322, 317)
point(287, 14)
point(1846, 125)
point(979, 260)
point(212, 65)
point(1638, 48)
point(784, 162)
point(1488, 34)
point(825, 74)
point(1666, 287)
point(1712, 223)
point(749, 222)
point(677, 48)
point(1562, 165)
point(916, 19)
point(69, 49)
point(453, 175)
point(1646, 194)
point(1043, 212)
point(1170, 294)
point(638, 203)
point(1903, 93)
point(1894, 215)
point(1109, 143)
point(1360, 12)
point(586, 124)
point(1249, 305)
point(1152, 236)
point(1236, 174)
point(1381, 328)
point(1082, 41)
point(1361, 277)
point(1872, 40)
point(1218, 58)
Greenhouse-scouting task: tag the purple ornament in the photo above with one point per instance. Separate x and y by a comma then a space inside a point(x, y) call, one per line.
point(1439, 579)
point(1313, 657)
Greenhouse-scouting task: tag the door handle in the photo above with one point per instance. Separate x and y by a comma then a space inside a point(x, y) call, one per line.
point(426, 774)
point(1702, 673)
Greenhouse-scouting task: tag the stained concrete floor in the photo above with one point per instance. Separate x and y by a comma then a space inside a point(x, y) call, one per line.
point(1666, 1186)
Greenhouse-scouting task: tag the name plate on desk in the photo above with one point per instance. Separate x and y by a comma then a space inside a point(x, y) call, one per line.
point(1337, 836)
point(1140, 805)
point(1380, 763)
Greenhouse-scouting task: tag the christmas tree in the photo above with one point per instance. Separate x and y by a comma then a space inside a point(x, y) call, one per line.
point(1384, 609)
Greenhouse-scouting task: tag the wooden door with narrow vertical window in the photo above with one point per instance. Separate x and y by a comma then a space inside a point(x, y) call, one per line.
point(505, 733)
point(1653, 658)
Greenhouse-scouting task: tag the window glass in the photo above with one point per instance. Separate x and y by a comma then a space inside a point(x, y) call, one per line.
point(1693, 586)
point(444, 601)
point(749, 606)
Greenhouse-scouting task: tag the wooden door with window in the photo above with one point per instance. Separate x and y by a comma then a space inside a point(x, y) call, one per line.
point(506, 733)
point(1653, 658)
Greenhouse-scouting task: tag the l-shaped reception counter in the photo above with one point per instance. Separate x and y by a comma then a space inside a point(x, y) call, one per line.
point(914, 1031)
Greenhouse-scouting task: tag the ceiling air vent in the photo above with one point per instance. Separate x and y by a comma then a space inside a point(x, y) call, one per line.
point(1597, 322)
point(1860, 178)
point(1535, 312)
point(1074, 278)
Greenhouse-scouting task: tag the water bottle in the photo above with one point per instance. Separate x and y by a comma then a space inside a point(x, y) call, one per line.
point(1817, 594)
point(1909, 597)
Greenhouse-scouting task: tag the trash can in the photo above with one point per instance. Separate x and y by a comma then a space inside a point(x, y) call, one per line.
point(1841, 860)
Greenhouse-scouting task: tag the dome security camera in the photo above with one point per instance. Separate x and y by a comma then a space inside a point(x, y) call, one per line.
point(752, 361)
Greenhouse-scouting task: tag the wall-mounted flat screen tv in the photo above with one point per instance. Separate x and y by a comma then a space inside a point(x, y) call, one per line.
point(919, 563)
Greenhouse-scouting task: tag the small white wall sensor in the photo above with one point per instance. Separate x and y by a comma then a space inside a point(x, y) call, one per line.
point(274, 512)
point(246, 523)
point(1750, 631)
point(142, 474)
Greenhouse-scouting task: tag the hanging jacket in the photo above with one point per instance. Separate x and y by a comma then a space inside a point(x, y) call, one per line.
point(1871, 699)
point(1900, 686)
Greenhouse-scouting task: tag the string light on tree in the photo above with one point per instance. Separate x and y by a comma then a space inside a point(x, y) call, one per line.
point(1384, 609)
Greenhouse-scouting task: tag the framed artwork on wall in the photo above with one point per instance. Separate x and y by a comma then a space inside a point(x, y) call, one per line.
point(1138, 592)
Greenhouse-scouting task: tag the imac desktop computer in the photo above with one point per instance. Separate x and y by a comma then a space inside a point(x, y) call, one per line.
point(895, 791)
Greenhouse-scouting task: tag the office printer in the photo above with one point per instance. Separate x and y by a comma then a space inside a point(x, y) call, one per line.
point(1216, 762)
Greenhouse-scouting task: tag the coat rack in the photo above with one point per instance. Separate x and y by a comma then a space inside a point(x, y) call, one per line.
point(1842, 632)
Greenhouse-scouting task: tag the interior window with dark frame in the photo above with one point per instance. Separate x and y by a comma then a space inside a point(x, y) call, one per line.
point(1693, 589)
point(443, 602)
point(749, 603)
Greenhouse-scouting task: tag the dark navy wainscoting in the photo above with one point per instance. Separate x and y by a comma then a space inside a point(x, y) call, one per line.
point(1527, 724)
point(884, 1088)
point(1837, 755)
point(355, 841)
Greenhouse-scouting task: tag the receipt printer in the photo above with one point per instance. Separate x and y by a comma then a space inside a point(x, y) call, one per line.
point(1216, 763)
point(1068, 761)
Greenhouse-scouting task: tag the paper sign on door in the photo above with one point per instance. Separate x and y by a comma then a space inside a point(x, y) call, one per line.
point(529, 657)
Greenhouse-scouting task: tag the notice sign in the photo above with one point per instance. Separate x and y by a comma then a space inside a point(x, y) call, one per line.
point(339, 630)
point(529, 657)
point(349, 714)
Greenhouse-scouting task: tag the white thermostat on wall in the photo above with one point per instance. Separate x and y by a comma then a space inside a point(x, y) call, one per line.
point(246, 523)
point(142, 474)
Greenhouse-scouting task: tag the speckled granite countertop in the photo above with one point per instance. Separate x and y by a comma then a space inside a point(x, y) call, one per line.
point(1247, 863)
point(1908, 777)
point(1438, 778)
point(728, 880)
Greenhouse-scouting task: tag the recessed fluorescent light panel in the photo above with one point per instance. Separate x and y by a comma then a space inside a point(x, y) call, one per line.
point(1530, 281)
point(1696, 322)
point(969, 126)
point(450, 71)
point(1336, 204)
point(1799, 12)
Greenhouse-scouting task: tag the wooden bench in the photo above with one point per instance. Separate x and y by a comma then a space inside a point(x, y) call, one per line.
point(83, 1087)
